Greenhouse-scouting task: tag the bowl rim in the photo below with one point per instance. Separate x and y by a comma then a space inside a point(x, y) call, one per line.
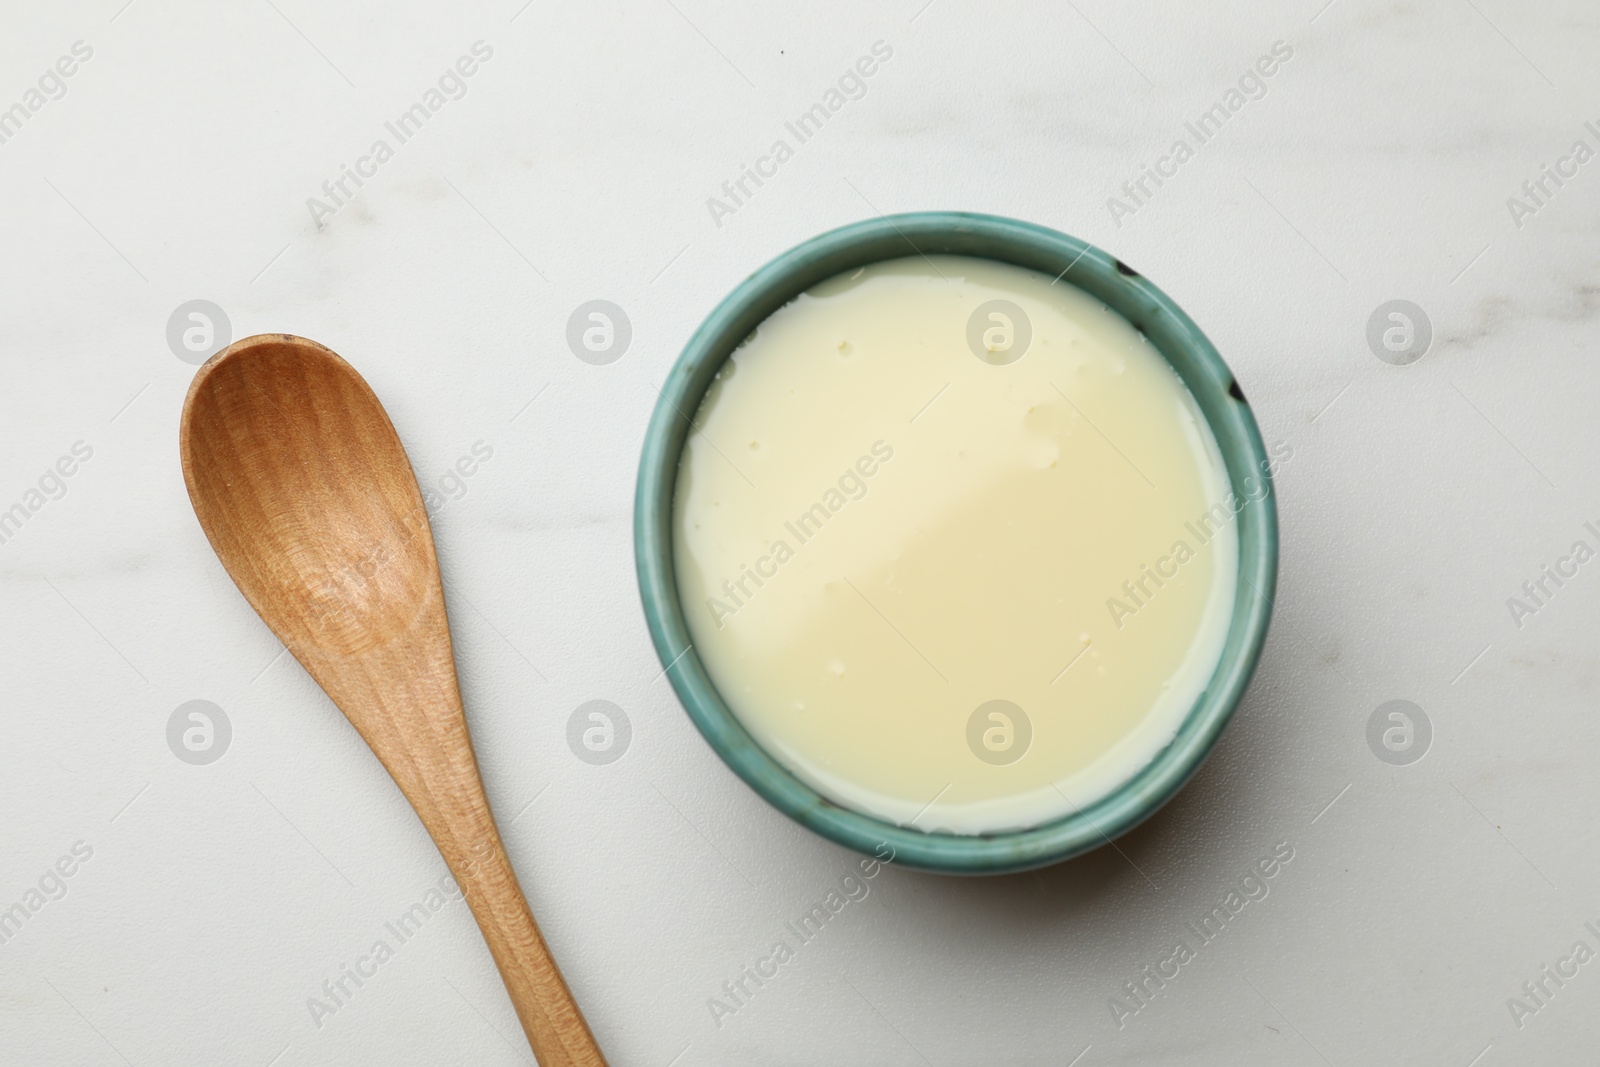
point(1178, 339)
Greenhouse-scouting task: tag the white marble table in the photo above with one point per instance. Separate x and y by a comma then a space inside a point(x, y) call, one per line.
point(209, 902)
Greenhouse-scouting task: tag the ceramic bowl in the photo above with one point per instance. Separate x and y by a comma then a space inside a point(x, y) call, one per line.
point(1169, 330)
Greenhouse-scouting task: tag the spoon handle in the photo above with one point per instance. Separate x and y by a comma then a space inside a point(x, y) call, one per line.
point(466, 835)
point(405, 701)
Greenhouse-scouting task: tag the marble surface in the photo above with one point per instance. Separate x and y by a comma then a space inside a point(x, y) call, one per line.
point(209, 902)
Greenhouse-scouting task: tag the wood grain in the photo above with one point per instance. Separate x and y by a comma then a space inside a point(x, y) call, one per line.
point(305, 491)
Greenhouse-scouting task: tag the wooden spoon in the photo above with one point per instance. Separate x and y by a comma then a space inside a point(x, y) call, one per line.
point(304, 489)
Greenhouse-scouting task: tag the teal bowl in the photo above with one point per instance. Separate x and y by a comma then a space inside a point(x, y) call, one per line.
point(1120, 288)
